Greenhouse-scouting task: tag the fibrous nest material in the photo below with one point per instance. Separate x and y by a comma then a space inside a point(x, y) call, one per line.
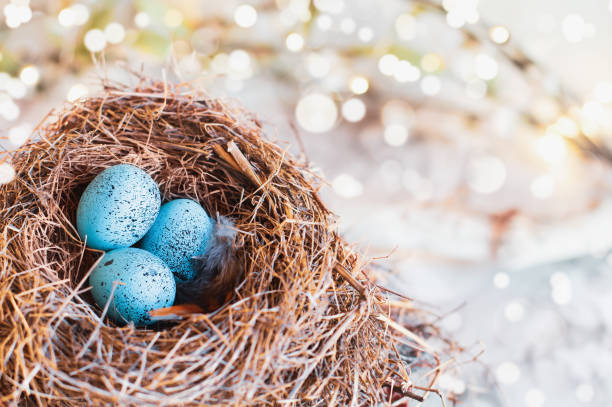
point(304, 326)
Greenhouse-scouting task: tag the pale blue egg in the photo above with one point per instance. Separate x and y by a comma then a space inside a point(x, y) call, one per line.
point(118, 207)
point(144, 281)
point(182, 230)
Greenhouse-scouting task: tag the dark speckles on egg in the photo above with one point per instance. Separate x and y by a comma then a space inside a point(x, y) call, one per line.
point(118, 207)
point(139, 293)
point(181, 231)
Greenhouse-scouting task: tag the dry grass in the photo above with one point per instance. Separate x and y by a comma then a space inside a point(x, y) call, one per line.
point(305, 326)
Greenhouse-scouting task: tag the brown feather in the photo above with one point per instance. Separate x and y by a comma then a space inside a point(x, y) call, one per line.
point(217, 271)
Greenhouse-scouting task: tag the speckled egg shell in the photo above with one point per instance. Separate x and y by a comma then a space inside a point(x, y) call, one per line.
point(181, 231)
point(118, 207)
point(146, 284)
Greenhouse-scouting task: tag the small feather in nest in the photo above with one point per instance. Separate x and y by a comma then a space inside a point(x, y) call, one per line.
point(217, 273)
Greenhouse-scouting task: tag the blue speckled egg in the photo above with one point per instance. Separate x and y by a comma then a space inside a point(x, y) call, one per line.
point(147, 284)
point(181, 231)
point(118, 207)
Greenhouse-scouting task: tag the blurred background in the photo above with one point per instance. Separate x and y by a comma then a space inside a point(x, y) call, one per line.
point(465, 143)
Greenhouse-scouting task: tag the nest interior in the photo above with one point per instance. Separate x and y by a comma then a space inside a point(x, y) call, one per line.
point(304, 325)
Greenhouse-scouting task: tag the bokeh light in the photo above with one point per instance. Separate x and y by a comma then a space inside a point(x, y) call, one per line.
point(316, 113)
point(19, 134)
point(7, 173)
point(347, 186)
point(486, 174)
point(76, 92)
point(353, 110)
point(29, 75)
point(359, 85)
point(396, 135)
point(501, 280)
point(294, 42)
point(508, 373)
point(114, 33)
point(245, 15)
point(95, 40)
point(499, 34)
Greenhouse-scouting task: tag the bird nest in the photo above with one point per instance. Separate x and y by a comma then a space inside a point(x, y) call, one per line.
point(304, 325)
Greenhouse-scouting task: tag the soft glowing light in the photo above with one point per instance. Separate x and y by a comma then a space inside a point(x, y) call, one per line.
point(95, 40)
point(324, 22)
point(565, 126)
point(514, 311)
point(545, 109)
point(455, 20)
point(29, 75)
point(585, 393)
point(592, 116)
point(353, 110)
point(431, 62)
point(406, 72)
point(7, 173)
point(81, 14)
point(485, 66)
point(8, 109)
point(219, 63)
point(18, 135)
point(239, 64)
point(173, 18)
point(316, 113)
point(476, 89)
point(461, 12)
point(142, 20)
point(451, 383)
point(420, 187)
point(348, 25)
point(431, 85)
point(359, 85)
point(66, 17)
point(561, 288)
point(347, 186)
point(365, 34)
point(542, 186)
point(114, 33)
point(499, 34)
point(508, 373)
point(75, 15)
point(535, 398)
point(299, 10)
point(329, 6)
point(501, 280)
point(396, 135)
point(17, 13)
point(486, 174)
point(574, 28)
point(318, 65)
point(387, 64)
point(405, 27)
point(294, 42)
point(15, 88)
point(245, 15)
point(551, 147)
point(76, 92)
point(397, 112)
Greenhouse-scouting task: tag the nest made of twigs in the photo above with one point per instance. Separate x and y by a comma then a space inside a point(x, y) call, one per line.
point(305, 325)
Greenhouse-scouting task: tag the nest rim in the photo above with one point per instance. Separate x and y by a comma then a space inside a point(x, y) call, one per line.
point(311, 324)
